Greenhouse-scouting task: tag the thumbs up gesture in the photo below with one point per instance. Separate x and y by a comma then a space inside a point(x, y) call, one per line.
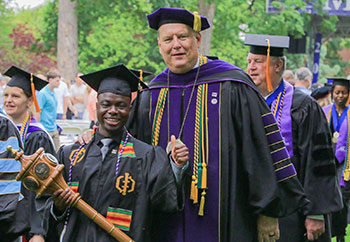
point(179, 151)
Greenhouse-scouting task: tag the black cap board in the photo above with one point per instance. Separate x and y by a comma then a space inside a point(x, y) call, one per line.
point(176, 15)
point(339, 81)
point(21, 79)
point(321, 92)
point(259, 43)
point(116, 79)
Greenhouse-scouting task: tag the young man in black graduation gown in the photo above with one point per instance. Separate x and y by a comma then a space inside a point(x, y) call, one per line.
point(307, 136)
point(240, 168)
point(132, 179)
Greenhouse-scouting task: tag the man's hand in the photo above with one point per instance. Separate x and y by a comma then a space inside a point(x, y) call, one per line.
point(37, 238)
point(179, 152)
point(85, 137)
point(314, 228)
point(268, 230)
point(62, 198)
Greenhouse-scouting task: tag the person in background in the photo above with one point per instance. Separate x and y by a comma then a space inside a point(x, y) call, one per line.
point(303, 80)
point(322, 94)
point(289, 77)
point(77, 95)
point(91, 105)
point(338, 116)
point(307, 137)
point(62, 95)
point(48, 104)
point(3, 82)
point(19, 101)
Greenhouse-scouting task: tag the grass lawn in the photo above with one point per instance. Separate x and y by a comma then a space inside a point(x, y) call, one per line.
point(347, 237)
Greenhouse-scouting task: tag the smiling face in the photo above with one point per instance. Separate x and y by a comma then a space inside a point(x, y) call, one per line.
point(112, 113)
point(178, 44)
point(16, 103)
point(340, 95)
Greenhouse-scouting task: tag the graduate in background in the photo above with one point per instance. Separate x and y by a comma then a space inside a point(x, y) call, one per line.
point(19, 97)
point(306, 134)
point(338, 116)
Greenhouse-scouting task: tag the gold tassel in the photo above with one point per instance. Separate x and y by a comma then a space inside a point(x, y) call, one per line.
point(194, 190)
point(204, 175)
point(268, 78)
point(197, 22)
point(201, 206)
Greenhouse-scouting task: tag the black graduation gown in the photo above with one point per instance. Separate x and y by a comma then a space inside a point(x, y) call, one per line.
point(247, 181)
point(13, 212)
point(151, 185)
point(314, 161)
point(34, 141)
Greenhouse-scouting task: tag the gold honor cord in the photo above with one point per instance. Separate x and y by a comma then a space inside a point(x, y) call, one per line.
point(347, 158)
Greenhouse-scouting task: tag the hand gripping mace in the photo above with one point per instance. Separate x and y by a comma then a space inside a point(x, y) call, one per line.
point(41, 173)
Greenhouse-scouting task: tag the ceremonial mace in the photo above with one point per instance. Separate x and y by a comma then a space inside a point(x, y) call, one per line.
point(41, 173)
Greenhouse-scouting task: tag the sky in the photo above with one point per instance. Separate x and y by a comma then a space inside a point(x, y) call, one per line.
point(27, 3)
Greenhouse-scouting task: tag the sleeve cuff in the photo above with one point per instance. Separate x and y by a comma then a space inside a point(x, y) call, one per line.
point(318, 217)
point(178, 170)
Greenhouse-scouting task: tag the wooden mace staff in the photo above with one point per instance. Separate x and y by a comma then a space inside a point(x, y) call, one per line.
point(41, 174)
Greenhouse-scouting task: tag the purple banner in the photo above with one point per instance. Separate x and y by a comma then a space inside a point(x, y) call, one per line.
point(331, 7)
point(317, 52)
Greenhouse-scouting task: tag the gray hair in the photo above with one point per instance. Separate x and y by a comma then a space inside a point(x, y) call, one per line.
point(281, 58)
point(303, 74)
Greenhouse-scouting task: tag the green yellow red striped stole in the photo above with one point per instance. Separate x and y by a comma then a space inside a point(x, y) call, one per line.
point(74, 186)
point(121, 218)
point(128, 150)
point(201, 143)
point(159, 110)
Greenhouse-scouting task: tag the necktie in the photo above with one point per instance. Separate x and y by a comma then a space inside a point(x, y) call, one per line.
point(104, 150)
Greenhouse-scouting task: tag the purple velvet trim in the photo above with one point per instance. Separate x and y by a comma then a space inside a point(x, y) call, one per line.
point(280, 155)
point(208, 69)
point(286, 172)
point(274, 137)
point(31, 128)
point(190, 216)
point(286, 118)
point(268, 119)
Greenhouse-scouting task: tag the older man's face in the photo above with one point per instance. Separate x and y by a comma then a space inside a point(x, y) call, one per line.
point(178, 45)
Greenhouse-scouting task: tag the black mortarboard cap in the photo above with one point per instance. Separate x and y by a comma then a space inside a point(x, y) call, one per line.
point(21, 79)
point(321, 92)
point(259, 43)
point(339, 81)
point(116, 79)
point(177, 15)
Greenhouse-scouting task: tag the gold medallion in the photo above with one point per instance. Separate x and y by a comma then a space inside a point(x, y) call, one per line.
point(335, 137)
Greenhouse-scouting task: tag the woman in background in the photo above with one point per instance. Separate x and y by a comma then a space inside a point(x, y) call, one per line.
point(338, 116)
point(19, 97)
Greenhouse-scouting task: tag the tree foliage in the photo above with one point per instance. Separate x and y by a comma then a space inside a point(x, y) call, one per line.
point(112, 32)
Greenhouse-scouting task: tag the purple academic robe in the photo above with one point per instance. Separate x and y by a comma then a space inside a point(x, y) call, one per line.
point(248, 168)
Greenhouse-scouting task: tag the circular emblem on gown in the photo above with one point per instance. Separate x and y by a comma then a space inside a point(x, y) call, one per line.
point(335, 137)
point(214, 101)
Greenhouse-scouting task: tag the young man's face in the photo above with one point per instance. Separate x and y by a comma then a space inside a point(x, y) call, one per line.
point(112, 112)
point(55, 82)
point(178, 45)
